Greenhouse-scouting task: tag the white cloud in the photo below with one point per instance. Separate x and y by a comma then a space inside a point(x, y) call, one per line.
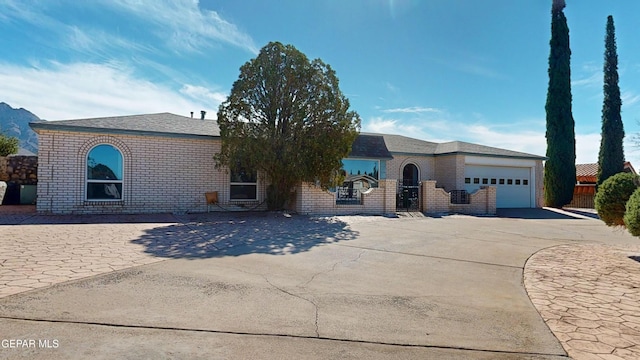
point(591, 80)
point(19, 10)
point(392, 88)
point(512, 138)
point(587, 148)
point(67, 91)
point(380, 125)
point(629, 98)
point(392, 126)
point(182, 24)
point(98, 42)
point(203, 94)
point(591, 66)
point(185, 24)
point(412, 109)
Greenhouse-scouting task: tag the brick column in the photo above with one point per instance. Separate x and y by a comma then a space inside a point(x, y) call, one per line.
point(434, 200)
point(389, 203)
point(428, 196)
point(491, 200)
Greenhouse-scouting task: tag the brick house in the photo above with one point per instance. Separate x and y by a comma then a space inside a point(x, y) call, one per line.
point(164, 163)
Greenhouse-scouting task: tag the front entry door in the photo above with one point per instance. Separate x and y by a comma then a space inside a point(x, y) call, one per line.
point(409, 189)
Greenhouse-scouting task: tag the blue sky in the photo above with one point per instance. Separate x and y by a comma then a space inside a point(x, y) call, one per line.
point(437, 70)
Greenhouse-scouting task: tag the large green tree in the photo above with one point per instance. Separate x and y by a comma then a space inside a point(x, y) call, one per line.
point(611, 156)
point(286, 118)
point(8, 144)
point(560, 168)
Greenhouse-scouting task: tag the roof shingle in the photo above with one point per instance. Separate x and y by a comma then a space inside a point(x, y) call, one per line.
point(153, 124)
point(367, 145)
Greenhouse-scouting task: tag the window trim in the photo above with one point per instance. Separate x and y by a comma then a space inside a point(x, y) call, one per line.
point(87, 181)
point(232, 183)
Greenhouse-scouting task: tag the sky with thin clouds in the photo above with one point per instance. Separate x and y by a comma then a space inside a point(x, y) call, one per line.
point(437, 70)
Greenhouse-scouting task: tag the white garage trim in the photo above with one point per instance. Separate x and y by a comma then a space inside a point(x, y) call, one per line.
point(515, 185)
point(492, 161)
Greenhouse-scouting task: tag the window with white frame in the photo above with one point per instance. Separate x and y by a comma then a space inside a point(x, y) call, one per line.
point(104, 173)
point(244, 185)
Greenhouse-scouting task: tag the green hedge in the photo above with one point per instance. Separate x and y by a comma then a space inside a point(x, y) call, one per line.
point(632, 214)
point(611, 197)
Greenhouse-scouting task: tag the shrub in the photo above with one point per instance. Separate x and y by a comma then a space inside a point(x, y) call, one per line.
point(611, 197)
point(632, 214)
point(8, 144)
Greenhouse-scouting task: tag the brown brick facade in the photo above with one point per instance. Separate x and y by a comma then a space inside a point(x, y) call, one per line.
point(437, 201)
point(173, 173)
point(161, 174)
point(312, 200)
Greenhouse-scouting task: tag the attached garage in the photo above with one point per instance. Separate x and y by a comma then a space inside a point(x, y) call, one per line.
point(513, 184)
point(517, 178)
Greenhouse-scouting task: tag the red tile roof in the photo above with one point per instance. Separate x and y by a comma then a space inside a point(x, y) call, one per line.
point(587, 173)
point(587, 169)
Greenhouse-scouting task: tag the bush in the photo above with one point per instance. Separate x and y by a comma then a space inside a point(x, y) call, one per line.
point(632, 214)
point(8, 144)
point(611, 197)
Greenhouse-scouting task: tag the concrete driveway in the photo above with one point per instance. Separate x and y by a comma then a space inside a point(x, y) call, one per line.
point(267, 286)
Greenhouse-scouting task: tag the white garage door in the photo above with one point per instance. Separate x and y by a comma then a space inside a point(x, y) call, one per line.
point(513, 184)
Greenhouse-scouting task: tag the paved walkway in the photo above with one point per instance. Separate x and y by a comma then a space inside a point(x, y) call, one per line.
point(50, 250)
point(589, 296)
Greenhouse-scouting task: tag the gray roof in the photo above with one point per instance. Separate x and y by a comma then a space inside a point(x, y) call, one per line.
point(461, 147)
point(407, 145)
point(370, 146)
point(367, 145)
point(161, 124)
point(398, 144)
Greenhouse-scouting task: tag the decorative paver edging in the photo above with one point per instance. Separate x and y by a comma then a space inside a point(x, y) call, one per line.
point(48, 257)
point(589, 296)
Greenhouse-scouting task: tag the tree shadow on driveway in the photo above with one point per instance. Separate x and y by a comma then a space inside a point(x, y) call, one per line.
point(235, 234)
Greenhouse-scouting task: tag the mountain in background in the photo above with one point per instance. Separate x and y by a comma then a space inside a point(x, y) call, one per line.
point(15, 122)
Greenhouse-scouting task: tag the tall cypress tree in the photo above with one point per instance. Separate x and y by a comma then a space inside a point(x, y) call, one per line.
point(611, 157)
point(560, 168)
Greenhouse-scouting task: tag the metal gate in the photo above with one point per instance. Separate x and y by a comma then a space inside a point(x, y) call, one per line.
point(408, 196)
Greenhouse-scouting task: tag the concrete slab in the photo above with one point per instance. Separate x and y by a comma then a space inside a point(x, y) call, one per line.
point(107, 342)
point(261, 285)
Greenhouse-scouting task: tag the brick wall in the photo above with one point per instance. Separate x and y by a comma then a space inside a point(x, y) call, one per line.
point(161, 174)
point(434, 200)
point(312, 200)
point(425, 166)
point(437, 201)
point(449, 170)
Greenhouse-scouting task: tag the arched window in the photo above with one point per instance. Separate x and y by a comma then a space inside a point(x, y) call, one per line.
point(410, 175)
point(104, 173)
